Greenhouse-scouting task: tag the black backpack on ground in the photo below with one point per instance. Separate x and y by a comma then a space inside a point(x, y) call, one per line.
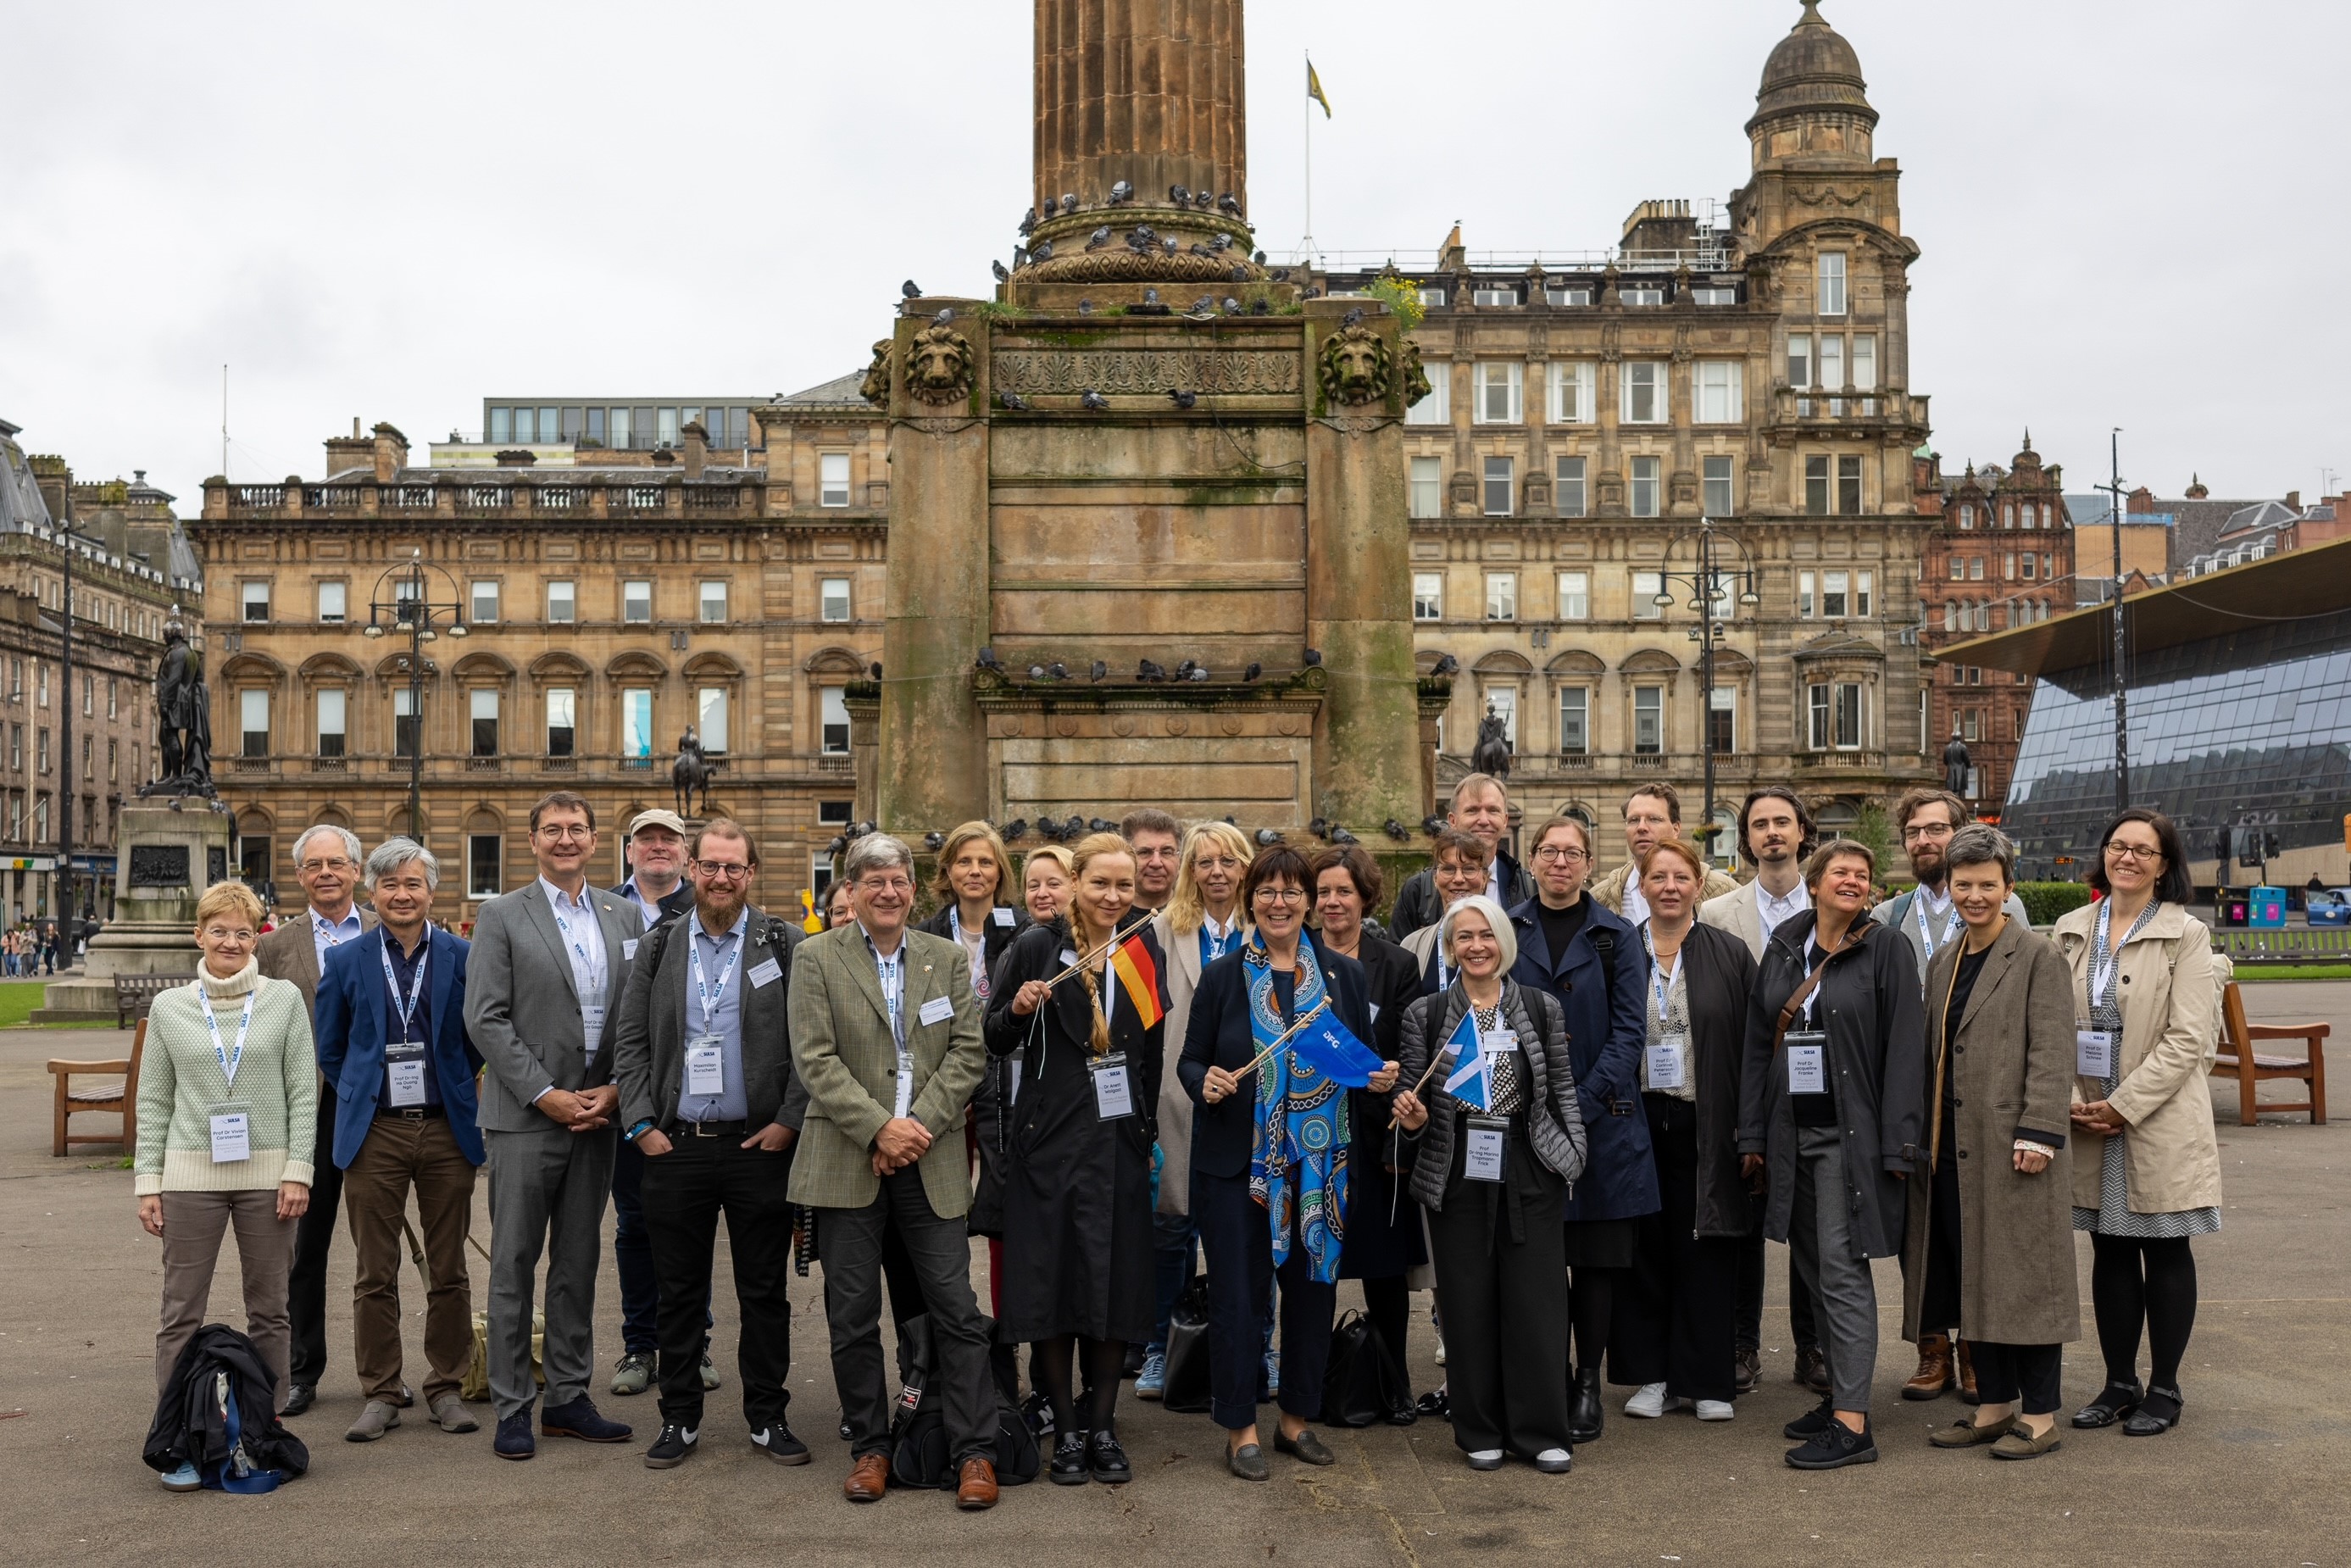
point(918, 1438)
point(219, 1414)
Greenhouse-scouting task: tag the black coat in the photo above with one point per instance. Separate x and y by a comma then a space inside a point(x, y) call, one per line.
point(1383, 1236)
point(1417, 903)
point(1218, 1036)
point(1869, 1006)
point(1604, 1036)
point(1718, 974)
point(188, 1426)
point(987, 1101)
point(1079, 1245)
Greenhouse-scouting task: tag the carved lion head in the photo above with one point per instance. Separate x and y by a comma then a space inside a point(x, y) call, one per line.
point(875, 388)
point(938, 365)
point(1415, 374)
point(1357, 368)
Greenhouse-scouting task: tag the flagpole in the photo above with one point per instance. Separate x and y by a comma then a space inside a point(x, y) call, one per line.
point(1306, 113)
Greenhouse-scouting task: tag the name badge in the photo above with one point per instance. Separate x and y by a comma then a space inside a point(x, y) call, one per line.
point(627, 948)
point(1113, 1095)
point(231, 1136)
point(1003, 918)
point(705, 1066)
point(905, 1101)
point(1664, 1060)
point(1808, 1063)
point(1482, 1158)
point(1497, 1042)
point(407, 1084)
point(591, 1022)
point(765, 972)
point(938, 1009)
point(2093, 1052)
point(1014, 1097)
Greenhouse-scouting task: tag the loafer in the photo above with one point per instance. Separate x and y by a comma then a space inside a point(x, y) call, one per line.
point(632, 1373)
point(1648, 1402)
point(2115, 1402)
point(182, 1477)
point(376, 1417)
point(976, 1485)
point(2017, 1443)
point(869, 1477)
point(1554, 1461)
point(1068, 1466)
point(1750, 1365)
point(1111, 1465)
point(2159, 1413)
point(673, 1448)
point(1248, 1461)
point(1484, 1458)
point(579, 1419)
point(1305, 1447)
point(778, 1444)
point(1812, 1423)
point(709, 1375)
point(1834, 1447)
point(299, 1397)
point(449, 1413)
point(514, 1440)
point(1968, 1435)
point(1151, 1382)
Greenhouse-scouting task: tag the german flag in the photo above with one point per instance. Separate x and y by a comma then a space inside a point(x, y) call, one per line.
point(1139, 974)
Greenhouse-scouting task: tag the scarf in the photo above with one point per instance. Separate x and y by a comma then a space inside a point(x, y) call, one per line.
point(1298, 1155)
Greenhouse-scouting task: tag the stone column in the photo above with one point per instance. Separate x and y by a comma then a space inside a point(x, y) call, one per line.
point(1150, 92)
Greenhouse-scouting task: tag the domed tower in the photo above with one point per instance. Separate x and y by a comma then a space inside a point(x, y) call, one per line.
point(1812, 109)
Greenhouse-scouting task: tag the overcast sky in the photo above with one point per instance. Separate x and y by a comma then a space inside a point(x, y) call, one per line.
point(2131, 213)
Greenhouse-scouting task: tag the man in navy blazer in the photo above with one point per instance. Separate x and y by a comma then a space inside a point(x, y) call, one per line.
point(391, 1038)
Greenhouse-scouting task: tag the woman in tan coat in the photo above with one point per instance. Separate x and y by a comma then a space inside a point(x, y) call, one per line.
point(1998, 1184)
point(2149, 1172)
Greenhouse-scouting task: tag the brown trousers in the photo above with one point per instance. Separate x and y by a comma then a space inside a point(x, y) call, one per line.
point(400, 1154)
point(193, 1223)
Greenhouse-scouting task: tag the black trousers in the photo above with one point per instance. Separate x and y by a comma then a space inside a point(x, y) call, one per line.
point(682, 1194)
point(1938, 1294)
point(1678, 1324)
point(1239, 1244)
point(2005, 1372)
point(849, 1242)
point(314, 1233)
point(1500, 1253)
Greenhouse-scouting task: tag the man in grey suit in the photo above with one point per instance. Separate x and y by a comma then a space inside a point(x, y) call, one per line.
point(544, 985)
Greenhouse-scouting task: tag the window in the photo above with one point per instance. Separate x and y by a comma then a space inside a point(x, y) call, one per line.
point(1575, 595)
point(1835, 594)
point(255, 598)
point(834, 813)
point(2008, 566)
point(41, 818)
point(1644, 485)
point(2028, 516)
point(1501, 596)
point(1498, 471)
point(1715, 294)
point(1428, 487)
point(1800, 364)
point(501, 427)
point(832, 599)
point(1721, 389)
point(334, 722)
point(1500, 385)
point(1643, 401)
point(484, 599)
point(2008, 514)
point(562, 722)
point(113, 698)
point(482, 853)
point(637, 602)
point(620, 428)
point(41, 747)
point(1831, 368)
point(1433, 297)
point(1975, 569)
point(253, 723)
point(710, 721)
point(1642, 293)
point(1649, 720)
point(1487, 293)
point(1570, 382)
point(89, 695)
point(1574, 721)
point(562, 602)
point(1437, 408)
point(1830, 272)
point(1806, 594)
point(1849, 486)
point(1569, 494)
point(1429, 596)
point(16, 747)
point(833, 721)
point(1967, 519)
point(1835, 715)
point(1958, 569)
point(832, 479)
point(1720, 502)
point(1722, 720)
point(113, 762)
point(483, 707)
point(1864, 367)
point(403, 722)
point(714, 604)
point(637, 724)
point(334, 600)
point(668, 422)
point(1648, 587)
point(1817, 492)
point(1578, 295)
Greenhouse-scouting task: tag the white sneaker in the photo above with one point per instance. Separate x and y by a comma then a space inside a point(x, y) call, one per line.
point(1485, 1459)
point(1714, 1410)
point(1440, 1350)
point(1554, 1461)
point(1648, 1403)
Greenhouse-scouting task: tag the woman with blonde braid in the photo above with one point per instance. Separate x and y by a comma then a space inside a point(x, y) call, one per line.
point(1077, 1167)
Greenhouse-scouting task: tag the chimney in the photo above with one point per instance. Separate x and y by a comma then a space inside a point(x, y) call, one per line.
point(347, 452)
point(2294, 500)
point(697, 447)
point(390, 454)
point(2139, 500)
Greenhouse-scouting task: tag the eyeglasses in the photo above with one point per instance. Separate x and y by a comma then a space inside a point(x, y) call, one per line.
point(2121, 852)
point(1281, 895)
point(1927, 830)
point(1552, 854)
point(872, 885)
point(1216, 863)
point(722, 870)
point(339, 863)
point(223, 934)
point(560, 830)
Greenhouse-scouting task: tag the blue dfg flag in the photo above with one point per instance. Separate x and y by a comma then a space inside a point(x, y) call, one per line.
point(1468, 1082)
point(1330, 1047)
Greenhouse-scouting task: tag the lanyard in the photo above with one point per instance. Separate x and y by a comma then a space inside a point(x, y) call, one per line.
point(2103, 959)
point(1810, 946)
point(1918, 902)
point(1661, 981)
point(1215, 943)
point(229, 1059)
point(711, 999)
point(893, 973)
point(593, 974)
point(416, 986)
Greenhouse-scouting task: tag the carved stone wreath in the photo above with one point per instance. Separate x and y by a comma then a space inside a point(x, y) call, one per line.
point(1356, 366)
point(875, 388)
point(938, 365)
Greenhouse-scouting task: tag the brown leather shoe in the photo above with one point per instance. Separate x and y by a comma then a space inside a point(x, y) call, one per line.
point(1934, 1374)
point(869, 1477)
point(1967, 1374)
point(1812, 1368)
point(977, 1488)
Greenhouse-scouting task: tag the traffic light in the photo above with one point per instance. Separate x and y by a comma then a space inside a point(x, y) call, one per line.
point(2220, 841)
point(2270, 848)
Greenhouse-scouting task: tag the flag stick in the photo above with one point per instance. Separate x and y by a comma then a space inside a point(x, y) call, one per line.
point(1284, 1038)
point(1117, 938)
point(1427, 1073)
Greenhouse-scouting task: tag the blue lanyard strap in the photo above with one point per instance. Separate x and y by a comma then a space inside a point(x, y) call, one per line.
point(589, 962)
point(1926, 933)
point(710, 996)
point(229, 1059)
point(407, 1005)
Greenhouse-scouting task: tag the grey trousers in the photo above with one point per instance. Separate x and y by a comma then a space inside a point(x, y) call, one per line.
point(194, 1224)
point(1845, 1296)
point(547, 1190)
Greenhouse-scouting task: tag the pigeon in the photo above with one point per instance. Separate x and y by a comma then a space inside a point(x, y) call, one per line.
point(1238, 275)
point(1202, 199)
point(1267, 837)
point(1341, 836)
point(1179, 195)
point(1003, 273)
point(1168, 245)
point(933, 840)
point(1183, 399)
point(1151, 297)
point(1258, 256)
point(908, 290)
point(1253, 672)
point(860, 829)
point(1068, 203)
point(875, 668)
point(1015, 830)
point(1204, 306)
point(1226, 203)
point(1320, 827)
point(1397, 830)
point(1201, 673)
point(1098, 672)
point(1232, 306)
point(1120, 193)
point(1261, 306)
point(1058, 671)
point(1313, 655)
point(1197, 248)
point(1281, 275)
point(1312, 292)
point(1051, 206)
point(1142, 237)
point(1231, 820)
point(1101, 825)
point(1044, 250)
point(1099, 238)
point(1354, 317)
point(1184, 671)
point(1029, 220)
point(1020, 257)
point(989, 661)
point(944, 316)
point(1144, 670)
point(1085, 307)
point(1036, 672)
point(1014, 401)
point(1093, 401)
point(840, 842)
point(1432, 824)
point(1447, 664)
point(1223, 241)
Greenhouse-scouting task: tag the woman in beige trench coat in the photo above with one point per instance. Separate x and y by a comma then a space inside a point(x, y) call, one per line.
point(1999, 1045)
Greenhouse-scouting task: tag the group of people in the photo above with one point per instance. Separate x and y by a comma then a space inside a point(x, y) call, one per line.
point(28, 949)
point(1594, 1101)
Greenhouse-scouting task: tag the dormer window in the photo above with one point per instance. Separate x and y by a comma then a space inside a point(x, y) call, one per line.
point(1573, 295)
point(1489, 294)
point(1643, 294)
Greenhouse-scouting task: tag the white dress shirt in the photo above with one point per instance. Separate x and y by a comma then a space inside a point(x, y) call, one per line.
point(1772, 911)
point(1636, 903)
point(583, 944)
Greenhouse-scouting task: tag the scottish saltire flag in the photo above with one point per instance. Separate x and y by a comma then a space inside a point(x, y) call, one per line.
point(1330, 1049)
point(1468, 1082)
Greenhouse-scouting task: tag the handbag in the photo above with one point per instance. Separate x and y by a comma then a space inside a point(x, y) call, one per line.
point(1185, 1391)
point(1362, 1383)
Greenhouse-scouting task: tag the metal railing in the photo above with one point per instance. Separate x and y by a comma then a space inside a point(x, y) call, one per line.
point(2244, 946)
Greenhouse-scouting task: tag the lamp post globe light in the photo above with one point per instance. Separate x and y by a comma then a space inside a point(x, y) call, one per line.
point(1723, 565)
point(409, 612)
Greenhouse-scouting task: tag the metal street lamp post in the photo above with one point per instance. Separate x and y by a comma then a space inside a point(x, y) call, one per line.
point(1707, 580)
point(408, 612)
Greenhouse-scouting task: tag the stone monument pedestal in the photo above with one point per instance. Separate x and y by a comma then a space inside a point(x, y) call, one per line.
point(167, 852)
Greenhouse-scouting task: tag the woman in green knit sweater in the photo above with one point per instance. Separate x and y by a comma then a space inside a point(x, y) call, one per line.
point(228, 1096)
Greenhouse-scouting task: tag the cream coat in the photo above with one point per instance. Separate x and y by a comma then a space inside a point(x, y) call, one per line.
point(1181, 978)
point(1609, 890)
point(2172, 1157)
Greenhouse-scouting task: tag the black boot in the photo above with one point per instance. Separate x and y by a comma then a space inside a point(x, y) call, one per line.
point(1583, 1413)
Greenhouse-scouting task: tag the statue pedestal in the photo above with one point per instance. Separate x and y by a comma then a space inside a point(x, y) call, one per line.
point(167, 852)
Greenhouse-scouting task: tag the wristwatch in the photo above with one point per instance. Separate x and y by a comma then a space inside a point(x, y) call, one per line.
point(639, 1131)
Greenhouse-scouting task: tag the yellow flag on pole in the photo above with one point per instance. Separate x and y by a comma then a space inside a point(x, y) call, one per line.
point(1314, 90)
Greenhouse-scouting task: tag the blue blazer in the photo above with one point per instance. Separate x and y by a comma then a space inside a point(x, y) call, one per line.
point(1605, 1034)
point(354, 1018)
point(1217, 1035)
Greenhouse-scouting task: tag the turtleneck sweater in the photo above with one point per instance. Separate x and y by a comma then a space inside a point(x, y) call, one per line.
point(183, 1083)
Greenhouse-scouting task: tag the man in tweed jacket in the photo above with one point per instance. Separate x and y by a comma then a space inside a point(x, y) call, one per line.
point(886, 1041)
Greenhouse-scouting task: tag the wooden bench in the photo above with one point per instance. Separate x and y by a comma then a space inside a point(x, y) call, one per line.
point(2240, 1062)
point(134, 994)
point(121, 1097)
